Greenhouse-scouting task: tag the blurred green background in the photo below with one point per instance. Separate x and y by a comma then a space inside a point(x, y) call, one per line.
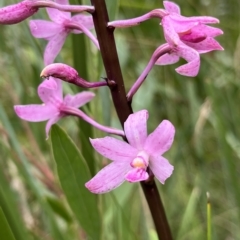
point(205, 111)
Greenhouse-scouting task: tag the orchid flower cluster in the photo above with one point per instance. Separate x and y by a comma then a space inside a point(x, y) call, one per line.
point(138, 157)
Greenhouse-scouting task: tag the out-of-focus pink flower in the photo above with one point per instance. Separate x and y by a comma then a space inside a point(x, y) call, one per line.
point(131, 160)
point(188, 37)
point(17, 12)
point(56, 30)
point(50, 92)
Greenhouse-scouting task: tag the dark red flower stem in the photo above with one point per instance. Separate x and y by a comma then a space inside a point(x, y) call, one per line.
point(123, 108)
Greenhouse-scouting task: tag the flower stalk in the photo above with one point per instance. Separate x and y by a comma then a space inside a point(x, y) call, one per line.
point(156, 13)
point(160, 51)
point(123, 107)
point(78, 113)
point(63, 7)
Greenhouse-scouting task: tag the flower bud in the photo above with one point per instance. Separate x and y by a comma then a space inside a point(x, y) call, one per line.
point(70, 75)
point(61, 71)
point(17, 12)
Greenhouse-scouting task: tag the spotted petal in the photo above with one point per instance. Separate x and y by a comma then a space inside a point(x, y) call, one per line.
point(44, 29)
point(167, 59)
point(201, 19)
point(208, 31)
point(136, 129)
point(161, 168)
point(190, 69)
point(53, 47)
point(83, 19)
point(207, 45)
point(79, 99)
point(161, 139)
point(171, 7)
point(35, 112)
point(56, 15)
point(170, 34)
point(114, 149)
point(109, 178)
point(52, 121)
point(47, 89)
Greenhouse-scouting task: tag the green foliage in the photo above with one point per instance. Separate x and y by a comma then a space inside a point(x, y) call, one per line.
point(4, 227)
point(206, 152)
point(73, 173)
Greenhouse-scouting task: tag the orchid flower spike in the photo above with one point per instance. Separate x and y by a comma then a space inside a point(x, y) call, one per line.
point(188, 37)
point(56, 30)
point(18, 12)
point(55, 107)
point(131, 160)
point(50, 92)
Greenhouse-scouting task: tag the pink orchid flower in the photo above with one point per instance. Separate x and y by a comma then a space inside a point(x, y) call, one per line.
point(131, 160)
point(188, 37)
point(50, 92)
point(56, 31)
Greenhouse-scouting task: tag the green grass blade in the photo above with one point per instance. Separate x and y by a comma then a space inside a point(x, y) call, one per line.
point(5, 230)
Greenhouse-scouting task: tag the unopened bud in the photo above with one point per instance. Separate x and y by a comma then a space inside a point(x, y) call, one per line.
point(17, 12)
point(68, 74)
point(61, 71)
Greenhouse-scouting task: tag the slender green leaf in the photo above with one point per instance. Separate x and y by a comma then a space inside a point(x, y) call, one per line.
point(10, 211)
point(5, 230)
point(59, 208)
point(73, 174)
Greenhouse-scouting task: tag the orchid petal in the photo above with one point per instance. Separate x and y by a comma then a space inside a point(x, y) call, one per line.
point(85, 20)
point(58, 16)
point(170, 34)
point(35, 112)
point(161, 139)
point(136, 128)
point(190, 69)
point(47, 89)
point(52, 121)
point(53, 47)
point(79, 99)
point(161, 168)
point(183, 28)
point(109, 178)
point(59, 92)
point(207, 30)
point(203, 19)
point(171, 7)
point(193, 37)
point(44, 29)
point(114, 149)
point(207, 45)
point(136, 175)
point(167, 59)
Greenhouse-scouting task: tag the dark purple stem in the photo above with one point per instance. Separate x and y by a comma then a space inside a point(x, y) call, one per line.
point(123, 108)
